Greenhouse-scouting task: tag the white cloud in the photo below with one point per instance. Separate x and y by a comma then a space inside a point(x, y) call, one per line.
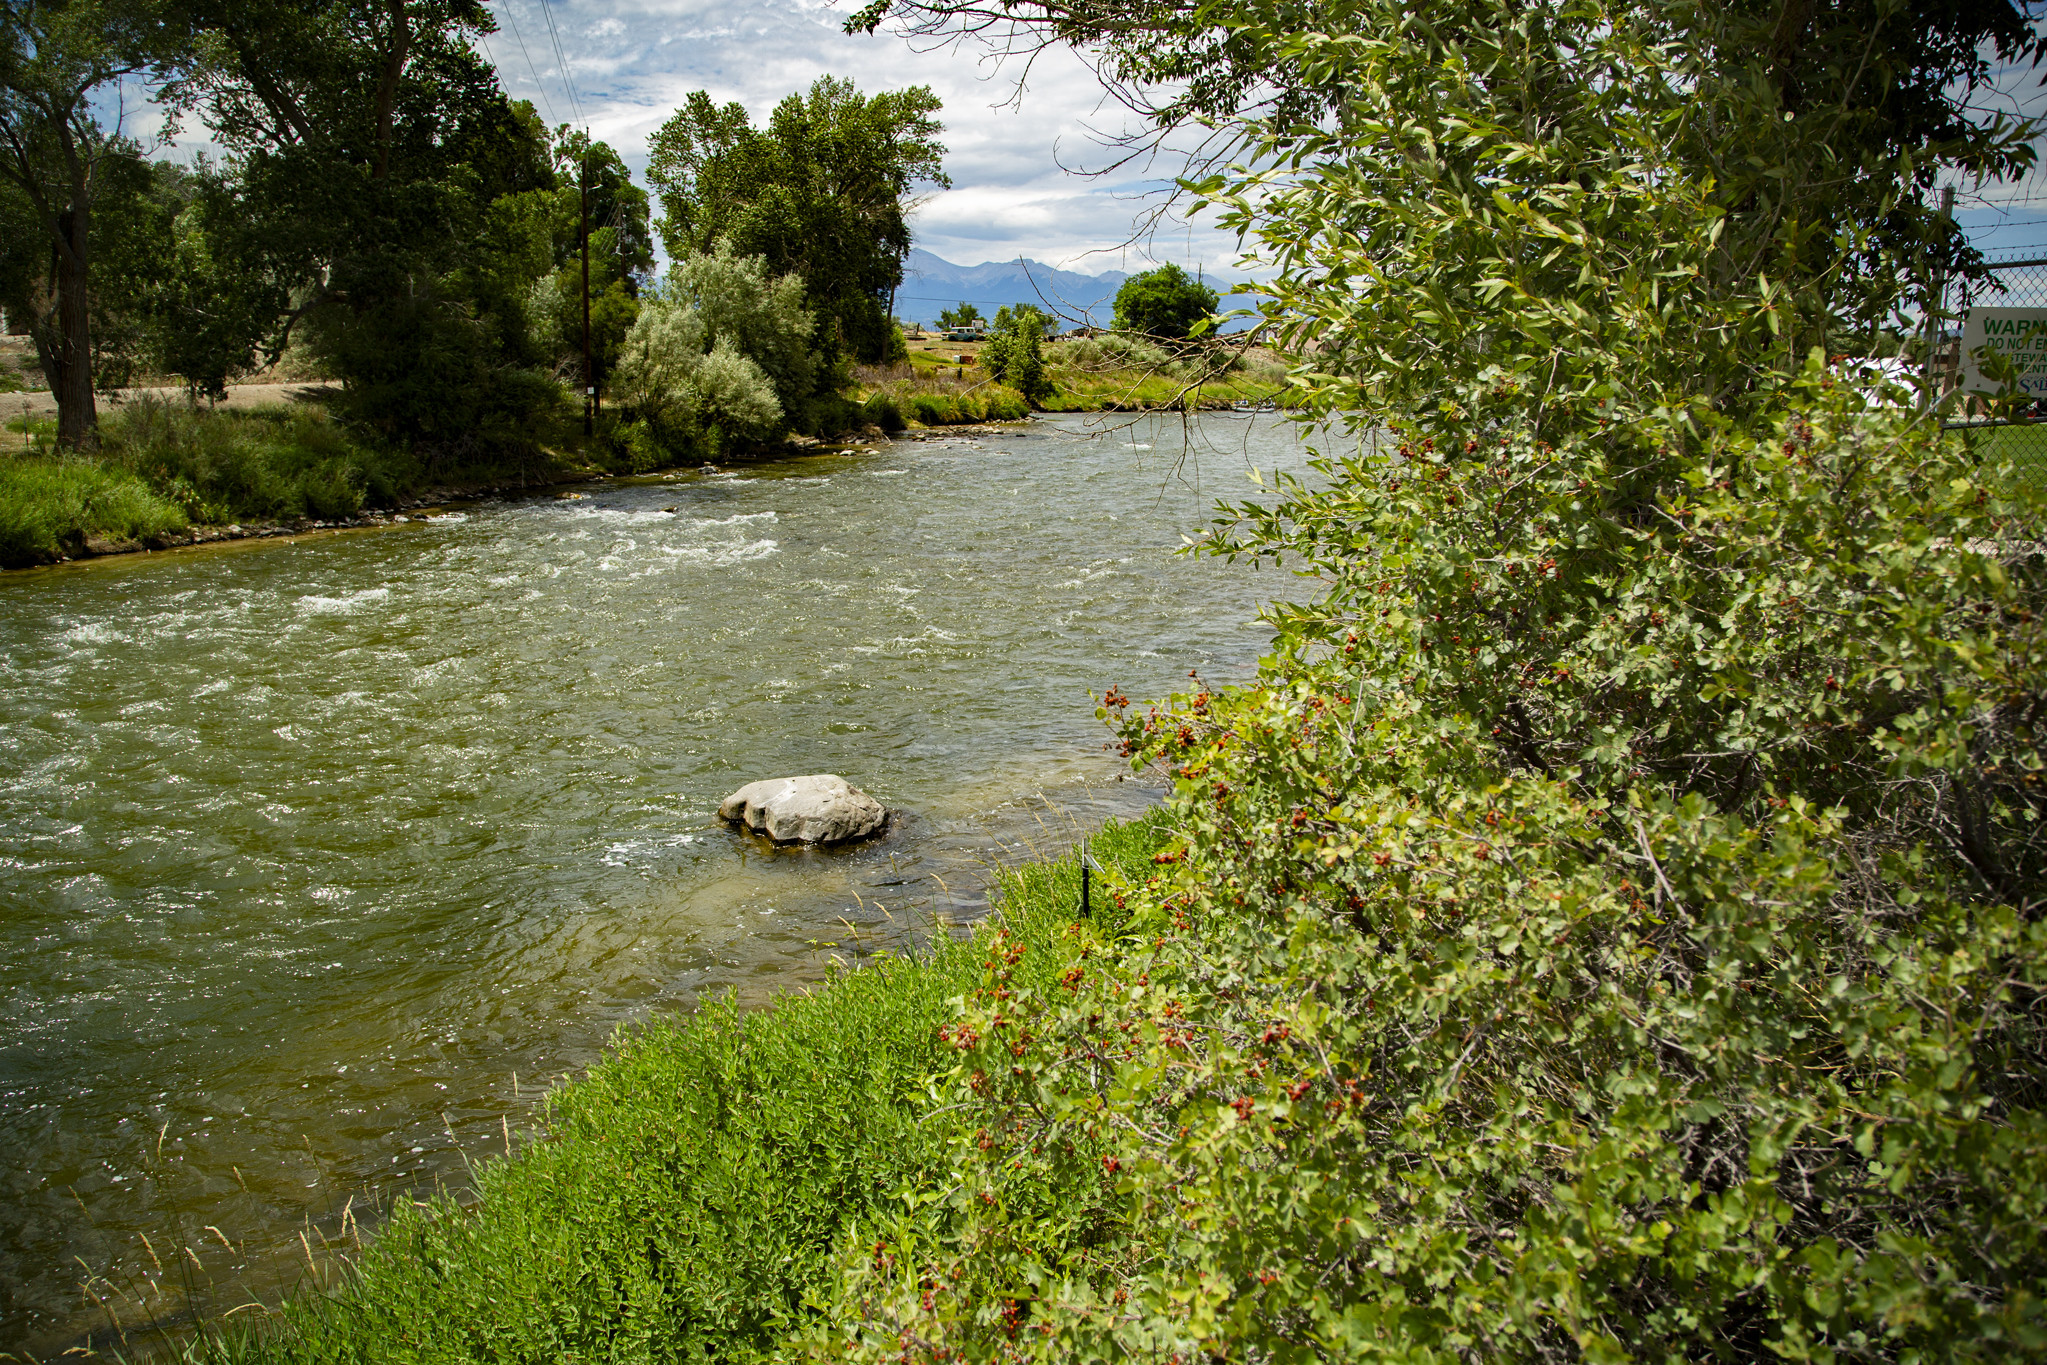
point(630, 64)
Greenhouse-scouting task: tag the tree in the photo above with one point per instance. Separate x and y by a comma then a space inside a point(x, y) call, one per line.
point(1610, 925)
point(720, 356)
point(54, 59)
point(822, 191)
point(1015, 352)
point(371, 140)
point(621, 253)
point(1165, 303)
point(966, 315)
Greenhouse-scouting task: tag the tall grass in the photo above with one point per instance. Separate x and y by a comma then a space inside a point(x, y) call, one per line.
point(265, 464)
point(162, 466)
point(51, 507)
point(690, 1198)
point(941, 396)
point(1119, 373)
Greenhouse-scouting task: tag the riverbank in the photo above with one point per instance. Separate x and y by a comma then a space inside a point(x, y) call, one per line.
point(59, 510)
point(446, 790)
point(937, 386)
point(701, 1193)
point(134, 496)
point(272, 462)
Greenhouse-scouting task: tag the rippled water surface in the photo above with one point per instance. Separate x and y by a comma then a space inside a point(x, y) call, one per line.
point(319, 859)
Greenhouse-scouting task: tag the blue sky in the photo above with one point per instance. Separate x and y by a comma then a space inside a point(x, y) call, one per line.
point(2007, 220)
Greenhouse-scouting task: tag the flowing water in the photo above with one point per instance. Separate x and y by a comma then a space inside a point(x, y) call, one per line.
point(320, 859)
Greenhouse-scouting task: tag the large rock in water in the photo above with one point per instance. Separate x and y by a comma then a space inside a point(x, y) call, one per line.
point(811, 810)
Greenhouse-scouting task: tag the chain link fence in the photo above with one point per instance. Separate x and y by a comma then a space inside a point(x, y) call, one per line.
point(2019, 437)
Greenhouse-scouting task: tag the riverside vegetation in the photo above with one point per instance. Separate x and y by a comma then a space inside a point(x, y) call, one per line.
point(384, 214)
point(1610, 926)
point(690, 1197)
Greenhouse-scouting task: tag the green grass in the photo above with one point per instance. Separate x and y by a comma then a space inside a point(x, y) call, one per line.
point(161, 467)
point(1115, 373)
point(265, 464)
point(987, 402)
point(1104, 374)
point(2022, 448)
point(690, 1198)
point(52, 507)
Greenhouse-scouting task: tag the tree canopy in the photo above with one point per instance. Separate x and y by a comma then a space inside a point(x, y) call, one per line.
point(56, 156)
point(1015, 354)
point(823, 190)
point(1166, 303)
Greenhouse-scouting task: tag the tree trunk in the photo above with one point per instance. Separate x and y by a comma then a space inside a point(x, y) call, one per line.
point(77, 421)
point(387, 83)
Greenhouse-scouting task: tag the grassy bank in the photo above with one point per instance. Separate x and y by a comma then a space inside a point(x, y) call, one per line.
point(162, 469)
point(51, 506)
point(1097, 374)
point(898, 396)
point(1120, 374)
point(696, 1196)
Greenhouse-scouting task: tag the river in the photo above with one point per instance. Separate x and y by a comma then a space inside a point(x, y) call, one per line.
point(320, 859)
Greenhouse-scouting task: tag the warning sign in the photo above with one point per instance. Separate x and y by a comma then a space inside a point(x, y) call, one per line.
point(2019, 335)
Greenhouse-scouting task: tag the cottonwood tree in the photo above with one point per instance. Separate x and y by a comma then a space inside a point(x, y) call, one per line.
point(58, 61)
point(370, 140)
point(1166, 303)
point(823, 190)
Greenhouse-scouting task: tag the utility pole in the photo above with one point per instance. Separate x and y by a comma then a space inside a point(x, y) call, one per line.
point(589, 375)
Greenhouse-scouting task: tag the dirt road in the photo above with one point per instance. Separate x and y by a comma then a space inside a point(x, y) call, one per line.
point(42, 403)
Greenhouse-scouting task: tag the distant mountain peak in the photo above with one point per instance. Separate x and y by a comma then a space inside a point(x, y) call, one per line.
point(932, 283)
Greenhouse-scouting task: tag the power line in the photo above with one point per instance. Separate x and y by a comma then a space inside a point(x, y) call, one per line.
point(561, 58)
point(538, 88)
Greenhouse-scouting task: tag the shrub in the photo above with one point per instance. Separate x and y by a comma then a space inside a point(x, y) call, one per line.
point(1015, 355)
point(931, 409)
point(1111, 352)
point(1005, 405)
point(1609, 927)
point(882, 410)
point(835, 416)
point(724, 346)
point(266, 464)
point(426, 374)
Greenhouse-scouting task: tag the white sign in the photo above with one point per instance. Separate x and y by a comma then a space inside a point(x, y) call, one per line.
point(2019, 335)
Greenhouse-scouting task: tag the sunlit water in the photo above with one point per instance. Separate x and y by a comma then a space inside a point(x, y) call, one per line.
point(320, 860)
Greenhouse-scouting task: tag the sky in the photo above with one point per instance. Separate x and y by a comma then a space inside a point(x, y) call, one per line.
point(2006, 220)
point(1009, 131)
point(1014, 135)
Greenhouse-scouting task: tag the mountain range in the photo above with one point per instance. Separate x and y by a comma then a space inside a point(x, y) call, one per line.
point(932, 283)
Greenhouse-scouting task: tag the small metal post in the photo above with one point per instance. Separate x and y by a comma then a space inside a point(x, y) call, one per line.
point(1084, 913)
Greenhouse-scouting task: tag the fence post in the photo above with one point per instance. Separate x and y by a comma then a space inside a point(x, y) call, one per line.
point(1937, 305)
